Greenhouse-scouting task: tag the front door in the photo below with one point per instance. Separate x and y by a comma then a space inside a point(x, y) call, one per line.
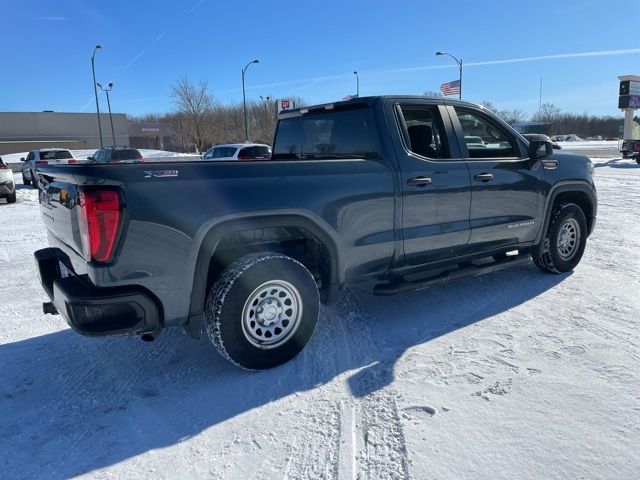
point(435, 184)
point(506, 187)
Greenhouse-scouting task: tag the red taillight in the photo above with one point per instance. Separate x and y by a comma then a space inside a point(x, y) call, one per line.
point(100, 216)
point(72, 161)
point(637, 145)
point(3, 166)
point(244, 157)
point(42, 162)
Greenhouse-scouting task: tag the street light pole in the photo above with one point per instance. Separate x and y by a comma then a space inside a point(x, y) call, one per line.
point(459, 62)
point(244, 102)
point(107, 90)
point(355, 72)
point(95, 91)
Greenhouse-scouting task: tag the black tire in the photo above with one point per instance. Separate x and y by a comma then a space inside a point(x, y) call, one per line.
point(228, 306)
point(25, 181)
point(638, 160)
point(551, 258)
point(11, 198)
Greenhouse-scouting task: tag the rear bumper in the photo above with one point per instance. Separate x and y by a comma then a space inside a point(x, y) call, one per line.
point(94, 311)
point(7, 188)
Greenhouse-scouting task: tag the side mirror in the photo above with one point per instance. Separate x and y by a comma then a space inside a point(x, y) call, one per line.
point(539, 148)
point(89, 158)
point(22, 159)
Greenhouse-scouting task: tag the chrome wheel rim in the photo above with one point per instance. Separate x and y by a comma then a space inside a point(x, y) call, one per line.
point(271, 314)
point(568, 239)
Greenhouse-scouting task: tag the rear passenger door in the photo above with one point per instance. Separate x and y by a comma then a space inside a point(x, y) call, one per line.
point(506, 188)
point(435, 184)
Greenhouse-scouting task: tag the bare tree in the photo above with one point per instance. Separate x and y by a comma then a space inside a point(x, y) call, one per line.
point(489, 106)
point(548, 113)
point(515, 115)
point(195, 105)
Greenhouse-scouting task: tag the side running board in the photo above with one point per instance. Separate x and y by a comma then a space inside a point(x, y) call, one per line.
point(469, 270)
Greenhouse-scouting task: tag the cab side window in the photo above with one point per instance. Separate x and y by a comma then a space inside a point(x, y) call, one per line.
point(425, 133)
point(485, 138)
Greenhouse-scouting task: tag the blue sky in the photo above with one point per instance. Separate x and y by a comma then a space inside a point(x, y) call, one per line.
point(310, 49)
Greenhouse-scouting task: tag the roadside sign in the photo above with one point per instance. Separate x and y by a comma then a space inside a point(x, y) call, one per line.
point(629, 101)
point(285, 104)
point(629, 87)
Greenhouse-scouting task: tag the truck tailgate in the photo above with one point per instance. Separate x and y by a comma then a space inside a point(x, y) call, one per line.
point(59, 207)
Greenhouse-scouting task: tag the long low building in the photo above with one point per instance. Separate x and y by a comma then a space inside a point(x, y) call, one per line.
point(24, 131)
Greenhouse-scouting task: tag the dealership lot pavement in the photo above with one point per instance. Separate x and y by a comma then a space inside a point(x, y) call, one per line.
point(516, 374)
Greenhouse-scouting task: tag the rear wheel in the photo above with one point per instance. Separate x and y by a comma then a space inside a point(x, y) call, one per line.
point(25, 181)
point(638, 160)
point(262, 310)
point(11, 198)
point(566, 238)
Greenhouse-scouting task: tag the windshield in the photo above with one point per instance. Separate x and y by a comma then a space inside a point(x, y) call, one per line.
point(331, 135)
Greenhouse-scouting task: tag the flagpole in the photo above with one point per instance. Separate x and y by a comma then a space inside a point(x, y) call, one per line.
point(460, 93)
point(459, 62)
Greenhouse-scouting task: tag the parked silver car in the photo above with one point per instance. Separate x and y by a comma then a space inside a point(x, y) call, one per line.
point(43, 156)
point(7, 185)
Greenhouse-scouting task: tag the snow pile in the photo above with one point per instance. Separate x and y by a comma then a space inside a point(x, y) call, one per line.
point(515, 374)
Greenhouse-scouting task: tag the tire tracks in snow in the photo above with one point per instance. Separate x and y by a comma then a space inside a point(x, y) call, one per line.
point(375, 440)
point(349, 426)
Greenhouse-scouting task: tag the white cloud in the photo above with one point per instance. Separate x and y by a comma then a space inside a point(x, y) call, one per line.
point(382, 71)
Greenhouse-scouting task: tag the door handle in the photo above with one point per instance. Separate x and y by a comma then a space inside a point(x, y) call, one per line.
point(483, 177)
point(419, 181)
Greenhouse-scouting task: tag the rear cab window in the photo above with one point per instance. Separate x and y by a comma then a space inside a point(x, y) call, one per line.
point(128, 154)
point(328, 134)
point(55, 154)
point(424, 131)
point(254, 153)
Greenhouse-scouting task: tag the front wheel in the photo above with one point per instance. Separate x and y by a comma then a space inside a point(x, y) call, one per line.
point(25, 181)
point(638, 160)
point(262, 310)
point(564, 243)
point(11, 198)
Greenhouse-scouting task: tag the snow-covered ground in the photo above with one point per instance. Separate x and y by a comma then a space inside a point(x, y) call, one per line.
point(516, 374)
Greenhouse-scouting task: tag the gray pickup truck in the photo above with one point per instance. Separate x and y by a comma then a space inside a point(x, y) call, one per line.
point(384, 189)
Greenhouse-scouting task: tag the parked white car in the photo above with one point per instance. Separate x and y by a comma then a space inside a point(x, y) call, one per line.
point(7, 184)
point(238, 151)
point(44, 156)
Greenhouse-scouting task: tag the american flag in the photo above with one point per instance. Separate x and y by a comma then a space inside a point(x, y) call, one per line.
point(450, 88)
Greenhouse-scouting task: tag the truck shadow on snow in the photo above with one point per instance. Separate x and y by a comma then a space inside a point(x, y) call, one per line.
point(71, 405)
